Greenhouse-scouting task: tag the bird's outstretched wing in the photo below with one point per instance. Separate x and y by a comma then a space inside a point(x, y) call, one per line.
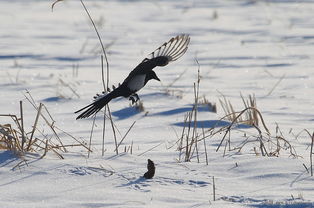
point(173, 49)
point(167, 52)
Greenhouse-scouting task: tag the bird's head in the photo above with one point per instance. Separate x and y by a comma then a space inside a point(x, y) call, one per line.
point(153, 75)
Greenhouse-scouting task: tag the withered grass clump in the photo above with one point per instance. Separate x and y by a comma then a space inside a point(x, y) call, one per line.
point(266, 144)
point(248, 117)
point(42, 138)
point(257, 139)
point(188, 143)
point(9, 139)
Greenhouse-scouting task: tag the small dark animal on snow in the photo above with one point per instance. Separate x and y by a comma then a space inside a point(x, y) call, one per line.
point(151, 170)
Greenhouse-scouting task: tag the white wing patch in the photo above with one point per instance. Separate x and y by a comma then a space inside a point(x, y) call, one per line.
point(137, 82)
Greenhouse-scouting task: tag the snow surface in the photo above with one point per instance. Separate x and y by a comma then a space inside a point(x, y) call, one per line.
point(243, 46)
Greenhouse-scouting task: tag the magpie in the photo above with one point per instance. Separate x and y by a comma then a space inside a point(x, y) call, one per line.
point(137, 79)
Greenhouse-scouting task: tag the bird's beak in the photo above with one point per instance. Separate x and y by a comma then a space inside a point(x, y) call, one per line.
point(153, 75)
point(157, 78)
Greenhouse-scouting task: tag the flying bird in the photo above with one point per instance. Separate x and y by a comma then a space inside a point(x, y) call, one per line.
point(137, 79)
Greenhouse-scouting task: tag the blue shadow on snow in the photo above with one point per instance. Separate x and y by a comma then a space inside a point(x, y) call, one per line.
point(125, 113)
point(201, 108)
point(54, 99)
point(211, 124)
point(7, 157)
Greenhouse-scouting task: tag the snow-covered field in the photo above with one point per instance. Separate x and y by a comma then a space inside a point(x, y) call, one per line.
point(247, 47)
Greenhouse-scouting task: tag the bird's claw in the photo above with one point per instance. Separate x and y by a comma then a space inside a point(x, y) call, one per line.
point(134, 98)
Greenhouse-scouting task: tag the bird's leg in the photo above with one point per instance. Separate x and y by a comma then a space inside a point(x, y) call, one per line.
point(134, 98)
point(137, 97)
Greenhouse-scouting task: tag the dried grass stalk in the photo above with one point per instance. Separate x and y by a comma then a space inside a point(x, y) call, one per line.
point(15, 139)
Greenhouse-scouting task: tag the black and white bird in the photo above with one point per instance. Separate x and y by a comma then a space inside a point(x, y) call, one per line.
point(137, 79)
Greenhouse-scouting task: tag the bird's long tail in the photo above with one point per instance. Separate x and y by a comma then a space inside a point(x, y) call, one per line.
point(96, 106)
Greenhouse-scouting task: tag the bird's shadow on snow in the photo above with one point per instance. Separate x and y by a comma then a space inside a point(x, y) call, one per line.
point(200, 108)
point(132, 111)
point(125, 113)
point(211, 124)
